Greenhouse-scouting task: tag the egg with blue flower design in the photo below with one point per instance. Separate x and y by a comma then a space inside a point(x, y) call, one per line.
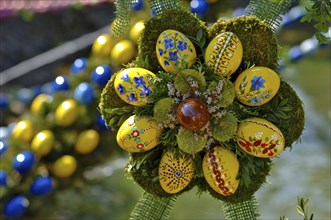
point(175, 51)
point(133, 86)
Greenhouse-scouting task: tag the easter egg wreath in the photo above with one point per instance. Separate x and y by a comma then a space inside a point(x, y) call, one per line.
point(203, 106)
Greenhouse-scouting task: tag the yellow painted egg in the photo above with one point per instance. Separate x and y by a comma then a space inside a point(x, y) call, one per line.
point(132, 85)
point(66, 113)
point(87, 141)
point(224, 53)
point(102, 46)
point(256, 86)
point(138, 134)
point(38, 103)
point(260, 138)
point(122, 52)
point(136, 30)
point(175, 173)
point(220, 169)
point(175, 51)
point(42, 143)
point(64, 166)
point(23, 131)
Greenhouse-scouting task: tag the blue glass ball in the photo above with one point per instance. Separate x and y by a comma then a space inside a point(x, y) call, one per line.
point(295, 54)
point(25, 95)
point(138, 6)
point(41, 186)
point(4, 101)
point(78, 65)
point(24, 161)
point(200, 7)
point(16, 206)
point(84, 93)
point(47, 88)
point(3, 178)
point(102, 124)
point(60, 84)
point(101, 75)
point(3, 145)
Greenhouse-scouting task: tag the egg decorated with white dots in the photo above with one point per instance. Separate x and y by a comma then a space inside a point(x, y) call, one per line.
point(138, 134)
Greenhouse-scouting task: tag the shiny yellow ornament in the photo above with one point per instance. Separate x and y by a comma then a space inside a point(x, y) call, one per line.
point(42, 143)
point(64, 167)
point(23, 131)
point(87, 141)
point(175, 173)
point(260, 138)
point(122, 52)
point(256, 86)
point(38, 103)
point(136, 31)
point(132, 85)
point(102, 46)
point(175, 51)
point(224, 53)
point(138, 134)
point(66, 113)
point(220, 169)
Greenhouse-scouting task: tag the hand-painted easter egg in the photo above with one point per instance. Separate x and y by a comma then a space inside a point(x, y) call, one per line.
point(260, 138)
point(175, 173)
point(39, 103)
point(64, 167)
point(220, 169)
point(122, 52)
point(102, 46)
point(175, 51)
point(256, 86)
point(87, 141)
point(15, 207)
point(66, 113)
point(224, 53)
point(136, 31)
point(24, 161)
point(138, 134)
point(132, 85)
point(23, 131)
point(41, 186)
point(43, 143)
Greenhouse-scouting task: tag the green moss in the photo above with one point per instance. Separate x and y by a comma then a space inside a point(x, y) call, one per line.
point(182, 21)
point(190, 142)
point(259, 42)
point(183, 84)
point(224, 128)
point(163, 109)
point(228, 94)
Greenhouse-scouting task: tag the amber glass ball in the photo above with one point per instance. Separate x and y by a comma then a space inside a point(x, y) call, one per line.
point(192, 114)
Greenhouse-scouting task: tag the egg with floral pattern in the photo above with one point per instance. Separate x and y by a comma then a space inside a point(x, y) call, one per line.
point(138, 134)
point(260, 138)
point(175, 173)
point(256, 86)
point(220, 169)
point(133, 86)
point(175, 51)
point(224, 53)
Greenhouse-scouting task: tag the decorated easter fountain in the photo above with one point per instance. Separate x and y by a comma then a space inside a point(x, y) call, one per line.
point(202, 107)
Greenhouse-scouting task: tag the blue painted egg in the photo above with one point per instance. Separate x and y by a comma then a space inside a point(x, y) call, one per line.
point(3, 178)
point(78, 65)
point(295, 54)
point(84, 93)
point(41, 186)
point(138, 5)
point(4, 101)
point(16, 206)
point(102, 123)
point(101, 75)
point(47, 88)
point(3, 146)
point(60, 84)
point(200, 7)
point(25, 95)
point(24, 161)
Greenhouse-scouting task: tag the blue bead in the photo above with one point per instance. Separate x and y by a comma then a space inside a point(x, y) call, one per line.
point(138, 6)
point(78, 65)
point(199, 7)
point(295, 54)
point(16, 207)
point(102, 124)
point(101, 75)
point(60, 84)
point(41, 186)
point(3, 145)
point(25, 95)
point(24, 161)
point(3, 178)
point(4, 101)
point(47, 88)
point(84, 93)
